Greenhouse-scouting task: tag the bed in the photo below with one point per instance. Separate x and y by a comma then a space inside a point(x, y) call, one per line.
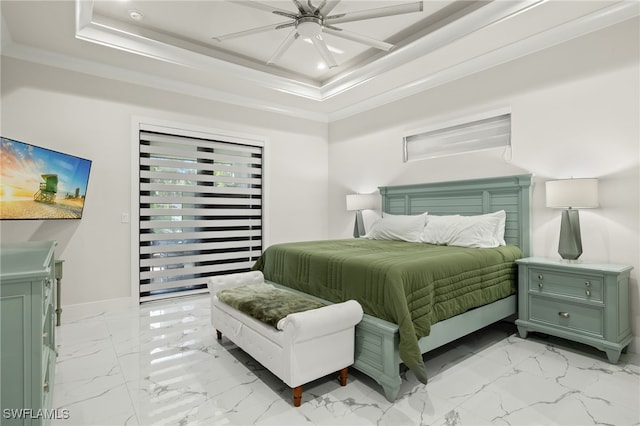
point(387, 277)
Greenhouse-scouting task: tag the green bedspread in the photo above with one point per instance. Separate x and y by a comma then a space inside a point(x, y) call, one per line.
point(413, 285)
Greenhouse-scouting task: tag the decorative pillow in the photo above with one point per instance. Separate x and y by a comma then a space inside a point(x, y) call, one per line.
point(481, 231)
point(397, 227)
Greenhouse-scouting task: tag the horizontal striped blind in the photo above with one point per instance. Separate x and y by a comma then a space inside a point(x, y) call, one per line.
point(200, 211)
point(478, 135)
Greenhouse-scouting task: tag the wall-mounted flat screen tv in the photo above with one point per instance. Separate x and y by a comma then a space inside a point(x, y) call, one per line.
point(39, 183)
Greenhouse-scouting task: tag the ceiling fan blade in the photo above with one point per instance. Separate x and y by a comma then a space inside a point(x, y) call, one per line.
point(293, 36)
point(374, 13)
point(288, 24)
point(264, 7)
point(339, 32)
point(249, 32)
point(321, 46)
point(327, 6)
point(299, 6)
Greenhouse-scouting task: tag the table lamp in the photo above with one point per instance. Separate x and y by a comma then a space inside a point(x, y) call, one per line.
point(570, 195)
point(359, 202)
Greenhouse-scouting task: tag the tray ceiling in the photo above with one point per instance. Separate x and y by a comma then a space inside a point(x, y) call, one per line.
point(172, 43)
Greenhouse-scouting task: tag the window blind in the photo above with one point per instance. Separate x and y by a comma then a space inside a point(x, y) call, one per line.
point(478, 135)
point(200, 211)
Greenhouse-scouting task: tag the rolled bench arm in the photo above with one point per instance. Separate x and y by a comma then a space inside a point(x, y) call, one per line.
point(221, 282)
point(307, 325)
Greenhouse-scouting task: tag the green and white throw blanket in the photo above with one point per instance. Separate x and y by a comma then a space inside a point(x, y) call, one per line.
point(266, 303)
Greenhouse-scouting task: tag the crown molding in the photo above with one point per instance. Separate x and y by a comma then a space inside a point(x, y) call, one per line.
point(89, 30)
point(595, 21)
point(488, 15)
point(57, 60)
point(600, 19)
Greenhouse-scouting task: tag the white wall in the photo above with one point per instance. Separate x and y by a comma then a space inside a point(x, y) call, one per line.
point(91, 117)
point(575, 112)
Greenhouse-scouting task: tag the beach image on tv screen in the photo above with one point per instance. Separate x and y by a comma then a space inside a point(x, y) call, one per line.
point(38, 183)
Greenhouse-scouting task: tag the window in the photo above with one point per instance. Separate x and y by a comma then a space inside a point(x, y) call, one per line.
point(200, 211)
point(477, 135)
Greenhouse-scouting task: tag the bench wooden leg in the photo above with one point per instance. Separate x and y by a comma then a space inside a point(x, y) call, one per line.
point(297, 396)
point(219, 334)
point(344, 373)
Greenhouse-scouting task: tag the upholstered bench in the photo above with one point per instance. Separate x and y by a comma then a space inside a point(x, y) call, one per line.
point(299, 348)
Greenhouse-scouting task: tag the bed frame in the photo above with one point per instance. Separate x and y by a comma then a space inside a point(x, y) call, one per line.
point(376, 349)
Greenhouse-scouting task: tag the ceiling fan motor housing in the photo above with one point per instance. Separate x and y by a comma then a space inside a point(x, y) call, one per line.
point(309, 26)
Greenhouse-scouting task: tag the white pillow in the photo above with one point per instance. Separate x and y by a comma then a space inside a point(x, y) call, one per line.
point(440, 229)
point(481, 231)
point(397, 227)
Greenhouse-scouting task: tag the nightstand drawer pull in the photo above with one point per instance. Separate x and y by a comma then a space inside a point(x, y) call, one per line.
point(564, 314)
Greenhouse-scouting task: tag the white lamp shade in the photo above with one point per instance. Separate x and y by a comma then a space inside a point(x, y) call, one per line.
point(361, 201)
point(572, 193)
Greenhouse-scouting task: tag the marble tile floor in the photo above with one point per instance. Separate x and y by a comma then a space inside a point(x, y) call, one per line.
point(160, 364)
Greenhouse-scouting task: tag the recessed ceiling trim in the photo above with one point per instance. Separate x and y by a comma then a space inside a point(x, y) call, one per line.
point(110, 72)
point(595, 21)
point(88, 30)
point(485, 16)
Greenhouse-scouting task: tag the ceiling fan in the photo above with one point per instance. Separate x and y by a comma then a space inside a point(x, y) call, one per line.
point(312, 22)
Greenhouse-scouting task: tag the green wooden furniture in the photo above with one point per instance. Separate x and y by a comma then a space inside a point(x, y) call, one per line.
point(59, 263)
point(586, 303)
point(27, 337)
point(377, 340)
point(376, 349)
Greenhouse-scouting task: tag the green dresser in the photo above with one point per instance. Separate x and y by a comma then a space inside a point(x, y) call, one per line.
point(27, 337)
point(586, 303)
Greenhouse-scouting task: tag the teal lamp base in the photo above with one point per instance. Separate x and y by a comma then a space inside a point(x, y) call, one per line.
point(570, 245)
point(358, 226)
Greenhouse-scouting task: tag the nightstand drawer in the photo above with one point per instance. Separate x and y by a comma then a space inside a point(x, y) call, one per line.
point(586, 287)
point(570, 316)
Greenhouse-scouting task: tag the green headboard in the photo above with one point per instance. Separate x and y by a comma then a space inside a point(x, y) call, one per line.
point(469, 197)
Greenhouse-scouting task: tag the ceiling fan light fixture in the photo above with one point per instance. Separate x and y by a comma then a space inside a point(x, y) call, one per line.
point(311, 22)
point(309, 27)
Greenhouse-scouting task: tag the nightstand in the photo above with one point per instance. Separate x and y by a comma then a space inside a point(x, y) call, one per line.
point(586, 303)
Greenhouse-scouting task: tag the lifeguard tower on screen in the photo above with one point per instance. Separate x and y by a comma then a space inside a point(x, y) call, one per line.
point(48, 189)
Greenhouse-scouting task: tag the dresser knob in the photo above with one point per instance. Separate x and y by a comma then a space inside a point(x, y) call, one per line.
point(540, 276)
point(588, 293)
point(540, 285)
point(587, 283)
point(564, 314)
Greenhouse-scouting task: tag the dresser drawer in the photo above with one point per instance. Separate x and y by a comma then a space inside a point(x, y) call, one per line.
point(566, 315)
point(586, 287)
